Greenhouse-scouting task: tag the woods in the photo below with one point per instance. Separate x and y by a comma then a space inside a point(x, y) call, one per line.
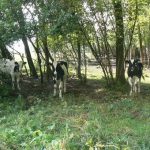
point(107, 29)
point(98, 108)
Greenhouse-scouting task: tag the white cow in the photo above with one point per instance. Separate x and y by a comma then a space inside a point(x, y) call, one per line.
point(12, 68)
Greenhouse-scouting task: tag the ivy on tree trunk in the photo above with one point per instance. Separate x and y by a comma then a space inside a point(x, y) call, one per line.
point(120, 70)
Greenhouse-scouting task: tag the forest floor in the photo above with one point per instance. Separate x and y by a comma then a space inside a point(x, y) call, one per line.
point(95, 88)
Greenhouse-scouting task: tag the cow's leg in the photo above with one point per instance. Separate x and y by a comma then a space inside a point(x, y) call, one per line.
point(18, 82)
point(13, 81)
point(139, 86)
point(131, 85)
point(55, 88)
point(134, 82)
point(132, 89)
point(135, 87)
point(60, 89)
point(64, 84)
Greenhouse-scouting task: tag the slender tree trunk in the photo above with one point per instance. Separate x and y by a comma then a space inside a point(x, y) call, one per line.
point(141, 43)
point(79, 59)
point(120, 70)
point(96, 55)
point(29, 58)
point(85, 65)
point(47, 56)
point(38, 57)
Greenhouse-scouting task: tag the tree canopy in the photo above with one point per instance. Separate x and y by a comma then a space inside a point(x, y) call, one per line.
point(107, 28)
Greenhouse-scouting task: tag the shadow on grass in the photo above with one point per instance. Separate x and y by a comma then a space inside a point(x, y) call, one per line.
point(94, 89)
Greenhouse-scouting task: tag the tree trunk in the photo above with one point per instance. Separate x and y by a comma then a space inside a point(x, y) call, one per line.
point(47, 56)
point(29, 58)
point(85, 64)
point(120, 70)
point(141, 43)
point(36, 48)
point(39, 59)
point(79, 59)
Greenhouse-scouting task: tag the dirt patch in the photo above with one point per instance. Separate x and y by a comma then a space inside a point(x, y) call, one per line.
point(32, 87)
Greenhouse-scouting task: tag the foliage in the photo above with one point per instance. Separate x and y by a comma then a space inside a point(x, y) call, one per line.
point(4, 90)
point(62, 23)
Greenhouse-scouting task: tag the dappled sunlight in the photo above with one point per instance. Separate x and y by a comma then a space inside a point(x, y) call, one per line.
point(146, 76)
point(99, 90)
point(94, 72)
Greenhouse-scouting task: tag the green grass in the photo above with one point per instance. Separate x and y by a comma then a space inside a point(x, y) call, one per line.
point(107, 119)
point(75, 124)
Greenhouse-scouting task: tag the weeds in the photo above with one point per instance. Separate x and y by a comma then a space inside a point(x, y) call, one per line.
point(75, 124)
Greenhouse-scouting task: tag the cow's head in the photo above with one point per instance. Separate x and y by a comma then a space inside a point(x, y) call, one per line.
point(135, 65)
point(131, 64)
point(18, 66)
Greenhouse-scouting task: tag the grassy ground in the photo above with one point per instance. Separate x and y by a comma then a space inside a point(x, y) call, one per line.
point(89, 117)
point(76, 124)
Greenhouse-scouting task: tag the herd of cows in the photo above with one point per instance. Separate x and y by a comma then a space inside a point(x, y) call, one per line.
point(60, 72)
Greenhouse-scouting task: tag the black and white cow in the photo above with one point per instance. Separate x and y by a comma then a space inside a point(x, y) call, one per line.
point(135, 72)
point(12, 68)
point(60, 72)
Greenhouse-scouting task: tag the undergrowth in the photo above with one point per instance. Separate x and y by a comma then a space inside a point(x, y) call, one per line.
point(76, 123)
